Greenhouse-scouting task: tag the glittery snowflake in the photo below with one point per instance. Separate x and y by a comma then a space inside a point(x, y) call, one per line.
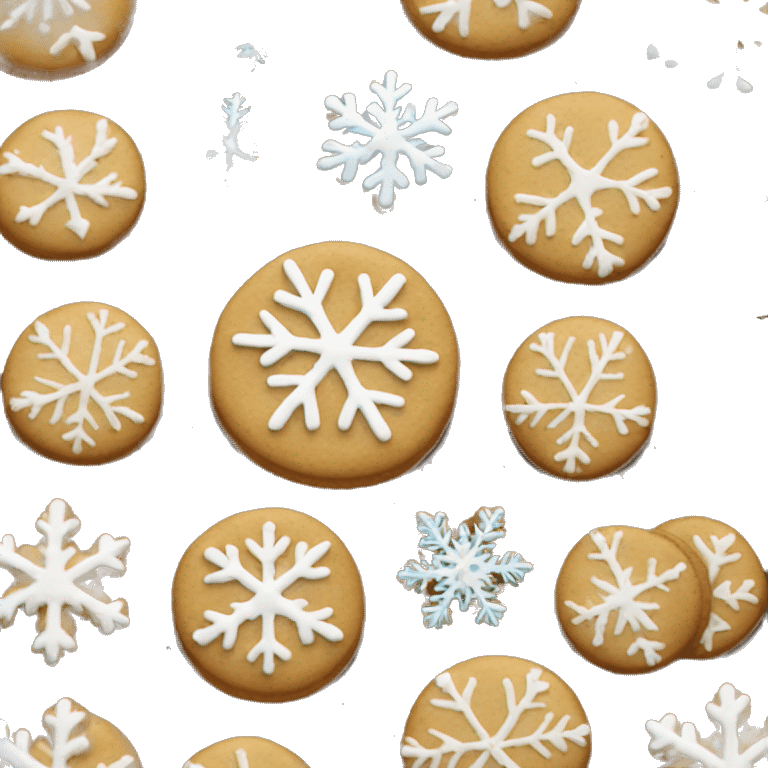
point(463, 567)
point(59, 580)
point(527, 12)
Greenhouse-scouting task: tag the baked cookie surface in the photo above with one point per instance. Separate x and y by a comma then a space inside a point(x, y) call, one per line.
point(245, 752)
point(335, 365)
point(582, 187)
point(71, 185)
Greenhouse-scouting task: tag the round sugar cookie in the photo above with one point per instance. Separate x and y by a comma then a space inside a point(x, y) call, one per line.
point(631, 600)
point(548, 728)
point(268, 605)
point(335, 365)
point(738, 583)
point(491, 29)
point(579, 397)
point(582, 188)
point(245, 752)
point(47, 39)
point(71, 185)
point(83, 384)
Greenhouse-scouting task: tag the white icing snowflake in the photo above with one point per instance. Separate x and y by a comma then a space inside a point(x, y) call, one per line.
point(528, 11)
point(621, 597)
point(463, 567)
point(579, 405)
point(268, 600)
point(393, 131)
point(234, 112)
point(336, 351)
point(495, 746)
point(584, 182)
point(84, 384)
point(68, 186)
point(47, 9)
point(734, 744)
point(82, 39)
point(45, 581)
point(240, 757)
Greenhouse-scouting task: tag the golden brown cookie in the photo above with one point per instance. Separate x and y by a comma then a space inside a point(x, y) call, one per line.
point(75, 738)
point(83, 384)
point(631, 600)
point(736, 577)
point(71, 185)
point(497, 711)
point(579, 396)
point(491, 29)
point(335, 365)
point(268, 605)
point(582, 187)
point(245, 752)
point(48, 39)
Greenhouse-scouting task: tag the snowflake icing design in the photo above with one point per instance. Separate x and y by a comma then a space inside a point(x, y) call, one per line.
point(84, 384)
point(268, 600)
point(579, 405)
point(734, 744)
point(68, 186)
point(241, 758)
point(336, 350)
point(495, 746)
point(393, 131)
point(621, 597)
point(463, 567)
point(528, 11)
point(584, 182)
point(235, 112)
point(43, 581)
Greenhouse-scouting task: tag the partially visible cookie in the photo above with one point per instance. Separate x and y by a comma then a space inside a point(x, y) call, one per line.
point(245, 752)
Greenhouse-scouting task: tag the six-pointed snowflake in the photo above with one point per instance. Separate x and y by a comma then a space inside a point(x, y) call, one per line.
point(495, 746)
point(393, 131)
point(579, 405)
point(621, 597)
point(463, 567)
point(336, 350)
point(235, 112)
point(268, 600)
point(527, 12)
point(45, 581)
point(584, 182)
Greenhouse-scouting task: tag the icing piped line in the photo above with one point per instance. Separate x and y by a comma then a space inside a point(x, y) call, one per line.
point(82, 39)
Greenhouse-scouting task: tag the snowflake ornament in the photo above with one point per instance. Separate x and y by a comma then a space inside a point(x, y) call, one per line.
point(268, 600)
point(528, 11)
point(393, 131)
point(336, 350)
point(497, 746)
point(70, 184)
point(463, 567)
point(85, 384)
point(584, 182)
point(579, 405)
point(734, 743)
point(57, 580)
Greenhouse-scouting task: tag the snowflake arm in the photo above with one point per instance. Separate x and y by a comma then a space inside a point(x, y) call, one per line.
point(235, 112)
point(526, 11)
point(82, 39)
point(28, 9)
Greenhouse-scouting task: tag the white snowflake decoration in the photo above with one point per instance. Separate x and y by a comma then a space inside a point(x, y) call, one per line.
point(734, 744)
point(528, 11)
point(240, 757)
point(584, 182)
point(463, 567)
point(70, 185)
point(268, 600)
point(495, 746)
point(85, 383)
point(579, 405)
point(393, 131)
point(621, 597)
point(336, 350)
point(235, 112)
point(57, 589)
point(82, 39)
point(47, 9)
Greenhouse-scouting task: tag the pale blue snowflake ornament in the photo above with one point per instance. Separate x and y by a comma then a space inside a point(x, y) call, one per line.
point(463, 567)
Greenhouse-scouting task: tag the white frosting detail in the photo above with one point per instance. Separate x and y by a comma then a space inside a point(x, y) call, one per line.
point(70, 184)
point(234, 113)
point(584, 183)
point(82, 39)
point(49, 9)
point(336, 351)
point(527, 11)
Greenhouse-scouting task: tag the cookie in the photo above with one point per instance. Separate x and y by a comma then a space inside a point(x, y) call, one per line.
point(582, 187)
point(491, 29)
point(335, 365)
point(48, 39)
point(245, 752)
point(75, 738)
point(497, 711)
point(71, 185)
point(631, 600)
point(83, 384)
point(268, 605)
point(738, 582)
point(579, 397)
